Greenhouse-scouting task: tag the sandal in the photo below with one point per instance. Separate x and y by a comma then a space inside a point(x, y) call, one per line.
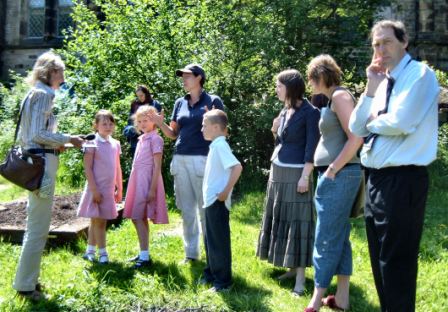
point(310, 309)
point(140, 264)
point(89, 256)
point(103, 259)
point(330, 301)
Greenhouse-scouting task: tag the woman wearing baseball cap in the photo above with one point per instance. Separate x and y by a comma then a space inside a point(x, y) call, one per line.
point(190, 153)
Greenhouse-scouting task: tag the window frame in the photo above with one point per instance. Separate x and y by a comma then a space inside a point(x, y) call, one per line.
point(51, 36)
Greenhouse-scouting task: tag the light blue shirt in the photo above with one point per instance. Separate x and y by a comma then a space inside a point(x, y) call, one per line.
point(408, 131)
point(220, 160)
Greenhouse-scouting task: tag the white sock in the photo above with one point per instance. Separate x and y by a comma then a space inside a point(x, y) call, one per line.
point(102, 251)
point(144, 255)
point(90, 249)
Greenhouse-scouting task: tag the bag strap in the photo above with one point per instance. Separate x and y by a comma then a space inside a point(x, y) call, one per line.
point(20, 116)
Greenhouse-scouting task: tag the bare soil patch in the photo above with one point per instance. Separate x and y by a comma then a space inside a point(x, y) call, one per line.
point(64, 211)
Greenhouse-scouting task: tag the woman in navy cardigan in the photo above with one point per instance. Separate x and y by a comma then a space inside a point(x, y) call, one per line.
point(287, 232)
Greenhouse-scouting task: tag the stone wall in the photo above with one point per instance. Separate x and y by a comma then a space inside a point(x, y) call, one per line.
point(427, 25)
point(19, 60)
point(18, 54)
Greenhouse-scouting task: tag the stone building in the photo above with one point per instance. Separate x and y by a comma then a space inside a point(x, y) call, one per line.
point(427, 25)
point(29, 27)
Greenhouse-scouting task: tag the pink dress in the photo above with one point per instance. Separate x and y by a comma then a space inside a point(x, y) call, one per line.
point(106, 157)
point(136, 206)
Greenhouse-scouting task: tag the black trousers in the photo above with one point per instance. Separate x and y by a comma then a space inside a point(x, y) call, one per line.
point(394, 213)
point(217, 245)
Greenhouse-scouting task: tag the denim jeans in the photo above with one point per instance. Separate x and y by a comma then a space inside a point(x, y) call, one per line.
point(332, 254)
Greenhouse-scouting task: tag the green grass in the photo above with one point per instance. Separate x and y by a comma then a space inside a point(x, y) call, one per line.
point(75, 285)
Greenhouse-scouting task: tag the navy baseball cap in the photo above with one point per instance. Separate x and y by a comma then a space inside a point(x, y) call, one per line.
point(194, 69)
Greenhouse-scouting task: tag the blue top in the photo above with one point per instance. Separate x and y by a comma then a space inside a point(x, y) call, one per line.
point(129, 131)
point(190, 140)
point(407, 132)
point(299, 135)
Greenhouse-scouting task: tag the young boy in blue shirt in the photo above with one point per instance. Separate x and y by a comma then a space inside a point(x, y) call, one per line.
point(222, 171)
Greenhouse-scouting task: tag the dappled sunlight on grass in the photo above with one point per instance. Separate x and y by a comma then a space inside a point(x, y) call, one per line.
point(76, 285)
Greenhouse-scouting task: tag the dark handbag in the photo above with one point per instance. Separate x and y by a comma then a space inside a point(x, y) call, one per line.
point(360, 200)
point(21, 168)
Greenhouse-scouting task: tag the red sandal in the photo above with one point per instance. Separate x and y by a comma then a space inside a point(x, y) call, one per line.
point(309, 309)
point(330, 301)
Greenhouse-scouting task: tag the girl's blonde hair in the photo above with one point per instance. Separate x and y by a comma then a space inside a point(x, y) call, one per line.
point(45, 65)
point(144, 110)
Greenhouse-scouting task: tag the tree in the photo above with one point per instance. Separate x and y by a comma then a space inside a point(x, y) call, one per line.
point(241, 44)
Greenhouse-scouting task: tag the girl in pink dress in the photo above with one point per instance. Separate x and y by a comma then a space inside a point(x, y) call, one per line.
point(145, 196)
point(104, 185)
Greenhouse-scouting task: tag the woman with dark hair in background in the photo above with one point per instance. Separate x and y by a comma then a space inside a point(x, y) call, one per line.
point(144, 97)
point(287, 232)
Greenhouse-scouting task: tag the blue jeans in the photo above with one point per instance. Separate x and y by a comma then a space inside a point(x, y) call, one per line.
point(332, 254)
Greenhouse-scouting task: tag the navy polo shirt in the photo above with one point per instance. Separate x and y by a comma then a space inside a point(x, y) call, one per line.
point(190, 140)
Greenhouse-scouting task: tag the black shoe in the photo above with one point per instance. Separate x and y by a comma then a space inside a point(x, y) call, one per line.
point(187, 260)
point(134, 259)
point(140, 264)
point(33, 295)
point(204, 281)
point(39, 287)
point(216, 289)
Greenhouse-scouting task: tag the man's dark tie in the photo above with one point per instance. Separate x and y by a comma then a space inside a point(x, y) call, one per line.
point(370, 139)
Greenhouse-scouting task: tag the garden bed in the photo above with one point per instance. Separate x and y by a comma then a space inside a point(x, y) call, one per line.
point(65, 225)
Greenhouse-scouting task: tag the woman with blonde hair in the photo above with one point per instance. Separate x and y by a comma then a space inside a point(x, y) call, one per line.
point(38, 136)
point(339, 178)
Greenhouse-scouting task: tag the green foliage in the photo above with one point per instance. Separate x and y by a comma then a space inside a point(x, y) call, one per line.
point(241, 44)
point(10, 100)
point(442, 77)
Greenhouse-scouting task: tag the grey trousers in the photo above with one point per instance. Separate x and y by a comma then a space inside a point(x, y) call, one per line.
point(36, 233)
point(188, 173)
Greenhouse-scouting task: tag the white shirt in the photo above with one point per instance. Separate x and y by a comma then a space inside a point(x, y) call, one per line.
point(220, 160)
point(408, 131)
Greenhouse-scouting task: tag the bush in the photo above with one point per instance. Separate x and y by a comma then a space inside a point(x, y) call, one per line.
point(241, 45)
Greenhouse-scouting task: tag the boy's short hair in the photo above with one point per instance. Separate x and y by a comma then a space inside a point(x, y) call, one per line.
point(217, 116)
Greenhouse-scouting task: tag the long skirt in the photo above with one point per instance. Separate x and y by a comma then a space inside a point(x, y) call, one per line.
point(287, 232)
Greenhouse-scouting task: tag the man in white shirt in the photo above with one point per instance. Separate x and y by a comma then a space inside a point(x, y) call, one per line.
point(397, 115)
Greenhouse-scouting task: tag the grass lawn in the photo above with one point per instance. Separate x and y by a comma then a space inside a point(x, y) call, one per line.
point(75, 285)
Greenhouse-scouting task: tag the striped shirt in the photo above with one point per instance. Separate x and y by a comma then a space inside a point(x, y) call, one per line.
point(38, 125)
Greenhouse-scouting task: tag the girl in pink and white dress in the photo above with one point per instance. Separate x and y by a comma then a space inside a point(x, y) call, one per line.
point(104, 185)
point(145, 196)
